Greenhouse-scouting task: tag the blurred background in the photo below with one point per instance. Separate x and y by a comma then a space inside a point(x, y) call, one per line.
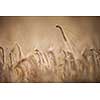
point(41, 32)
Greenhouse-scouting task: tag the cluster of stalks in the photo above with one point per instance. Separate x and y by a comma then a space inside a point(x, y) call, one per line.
point(49, 66)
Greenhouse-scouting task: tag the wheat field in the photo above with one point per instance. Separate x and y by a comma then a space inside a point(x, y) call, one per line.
point(51, 65)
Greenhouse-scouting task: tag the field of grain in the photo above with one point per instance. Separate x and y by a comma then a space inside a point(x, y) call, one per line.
point(50, 66)
point(65, 56)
